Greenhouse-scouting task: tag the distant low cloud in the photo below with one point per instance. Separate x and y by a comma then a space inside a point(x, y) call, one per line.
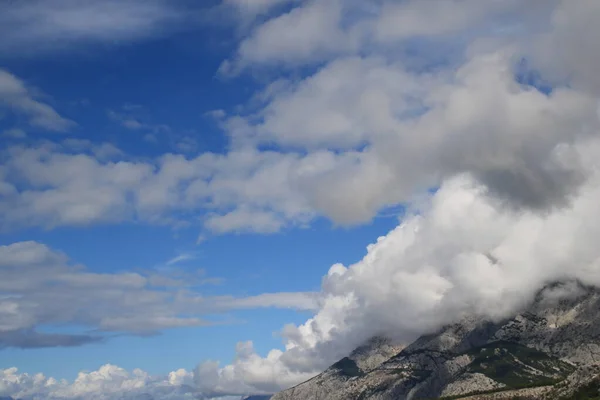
point(29, 338)
point(109, 382)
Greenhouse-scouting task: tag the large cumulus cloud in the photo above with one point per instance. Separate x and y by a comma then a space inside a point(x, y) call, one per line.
point(507, 138)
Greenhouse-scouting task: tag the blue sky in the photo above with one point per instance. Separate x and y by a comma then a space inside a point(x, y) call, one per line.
point(248, 264)
point(232, 195)
point(168, 84)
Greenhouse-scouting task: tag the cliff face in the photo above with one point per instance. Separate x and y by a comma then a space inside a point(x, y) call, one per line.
point(549, 350)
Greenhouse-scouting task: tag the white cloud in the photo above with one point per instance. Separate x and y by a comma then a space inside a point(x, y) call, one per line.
point(299, 301)
point(403, 132)
point(109, 382)
point(180, 258)
point(306, 32)
point(15, 133)
point(37, 27)
point(567, 52)
point(42, 287)
point(351, 149)
point(250, 9)
point(320, 30)
point(129, 119)
point(245, 220)
point(462, 254)
point(135, 117)
point(324, 110)
point(20, 99)
point(60, 188)
point(401, 20)
point(127, 122)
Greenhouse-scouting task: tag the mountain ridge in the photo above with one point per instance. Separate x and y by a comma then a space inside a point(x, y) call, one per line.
point(551, 346)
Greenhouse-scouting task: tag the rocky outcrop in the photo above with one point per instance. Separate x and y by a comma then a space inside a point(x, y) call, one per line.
point(467, 381)
point(550, 349)
point(335, 379)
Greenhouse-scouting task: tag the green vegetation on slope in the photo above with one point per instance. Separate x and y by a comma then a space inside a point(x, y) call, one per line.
point(517, 366)
point(591, 391)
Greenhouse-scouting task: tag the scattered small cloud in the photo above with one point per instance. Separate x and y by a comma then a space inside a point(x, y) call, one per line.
point(132, 124)
point(103, 151)
point(124, 120)
point(187, 144)
point(216, 114)
point(132, 117)
point(150, 138)
point(212, 281)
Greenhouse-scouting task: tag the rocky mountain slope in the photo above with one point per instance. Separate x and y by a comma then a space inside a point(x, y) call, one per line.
point(551, 350)
point(336, 378)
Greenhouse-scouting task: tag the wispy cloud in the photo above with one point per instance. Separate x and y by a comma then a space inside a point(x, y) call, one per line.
point(15, 133)
point(129, 119)
point(17, 97)
point(47, 289)
point(181, 258)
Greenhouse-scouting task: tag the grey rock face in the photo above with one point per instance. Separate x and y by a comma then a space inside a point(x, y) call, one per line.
point(335, 379)
point(556, 339)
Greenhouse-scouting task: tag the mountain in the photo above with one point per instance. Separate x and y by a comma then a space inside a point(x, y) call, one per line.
point(550, 350)
point(337, 377)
